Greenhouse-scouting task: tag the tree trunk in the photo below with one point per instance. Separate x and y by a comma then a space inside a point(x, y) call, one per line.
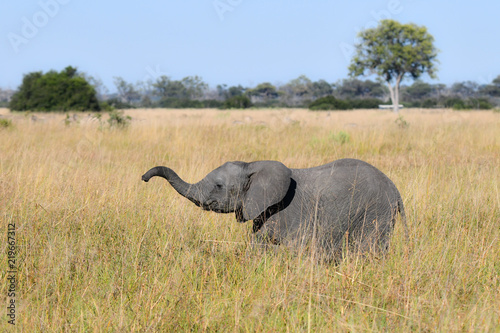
point(395, 93)
point(393, 98)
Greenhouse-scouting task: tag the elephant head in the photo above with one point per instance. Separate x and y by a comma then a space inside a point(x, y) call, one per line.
point(247, 189)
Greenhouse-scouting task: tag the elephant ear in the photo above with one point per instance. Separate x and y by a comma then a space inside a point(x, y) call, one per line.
point(268, 184)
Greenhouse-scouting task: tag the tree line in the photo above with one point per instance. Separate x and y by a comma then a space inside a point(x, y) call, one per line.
point(71, 90)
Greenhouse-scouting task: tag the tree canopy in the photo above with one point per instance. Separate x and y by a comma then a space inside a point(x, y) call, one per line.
point(392, 50)
point(54, 91)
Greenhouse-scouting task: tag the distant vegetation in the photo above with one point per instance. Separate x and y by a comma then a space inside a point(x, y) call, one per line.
point(69, 90)
point(53, 91)
point(346, 94)
point(332, 103)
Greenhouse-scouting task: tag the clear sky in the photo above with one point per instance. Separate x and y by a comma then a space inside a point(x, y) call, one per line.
point(233, 41)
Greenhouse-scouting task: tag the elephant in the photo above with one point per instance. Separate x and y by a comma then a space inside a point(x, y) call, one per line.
point(342, 205)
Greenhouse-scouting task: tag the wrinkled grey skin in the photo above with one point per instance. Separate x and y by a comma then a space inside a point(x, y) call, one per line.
point(347, 201)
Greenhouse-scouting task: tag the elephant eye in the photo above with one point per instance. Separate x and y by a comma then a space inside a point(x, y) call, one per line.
point(219, 186)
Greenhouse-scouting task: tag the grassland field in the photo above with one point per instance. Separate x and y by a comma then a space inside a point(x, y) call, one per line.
point(100, 251)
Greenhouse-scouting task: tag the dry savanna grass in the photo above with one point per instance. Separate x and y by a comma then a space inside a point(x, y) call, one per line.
point(100, 251)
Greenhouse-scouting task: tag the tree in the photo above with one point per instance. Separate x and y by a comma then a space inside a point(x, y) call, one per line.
point(418, 90)
point(189, 88)
point(235, 91)
point(301, 86)
point(465, 89)
point(321, 88)
point(237, 102)
point(392, 50)
point(223, 92)
point(492, 90)
point(98, 85)
point(194, 86)
point(296, 91)
point(354, 88)
point(128, 93)
point(166, 88)
point(53, 91)
point(264, 92)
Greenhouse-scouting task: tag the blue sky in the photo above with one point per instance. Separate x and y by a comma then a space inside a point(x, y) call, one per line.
point(233, 41)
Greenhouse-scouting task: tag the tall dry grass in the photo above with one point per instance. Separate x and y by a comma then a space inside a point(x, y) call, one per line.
point(98, 250)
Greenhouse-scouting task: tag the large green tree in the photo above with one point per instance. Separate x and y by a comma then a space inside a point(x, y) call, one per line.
point(392, 51)
point(53, 91)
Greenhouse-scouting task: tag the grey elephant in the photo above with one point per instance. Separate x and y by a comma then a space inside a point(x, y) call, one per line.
point(345, 202)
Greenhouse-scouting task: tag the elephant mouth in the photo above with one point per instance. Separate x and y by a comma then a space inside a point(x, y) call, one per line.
point(209, 208)
point(212, 207)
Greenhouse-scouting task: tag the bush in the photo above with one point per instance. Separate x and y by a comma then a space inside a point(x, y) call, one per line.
point(212, 103)
point(429, 103)
point(450, 102)
point(340, 137)
point(183, 103)
point(401, 122)
point(329, 103)
point(106, 106)
point(470, 104)
point(118, 119)
point(365, 103)
point(237, 102)
point(5, 123)
point(332, 103)
point(52, 91)
point(459, 105)
point(480, 104)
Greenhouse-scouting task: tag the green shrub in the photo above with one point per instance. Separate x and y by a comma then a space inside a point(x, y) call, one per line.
point(470, 104)
point(460, 105)
point(184, 103)
point(52, 91)
point(329, 103)
point(401, 122)
point(332, 103)
point(211, 103)
point(480, 104)
point(365, 103)
point(340, 137)
point(237, 102)
point(118, 119)
point(450, 102)
point(429, 103)
point(106, 106)
point(5, 123)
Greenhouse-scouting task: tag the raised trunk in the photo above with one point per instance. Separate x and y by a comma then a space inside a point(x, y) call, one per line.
point(192, 192)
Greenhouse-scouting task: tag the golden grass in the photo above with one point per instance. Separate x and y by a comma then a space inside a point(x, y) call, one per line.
point(99, 250)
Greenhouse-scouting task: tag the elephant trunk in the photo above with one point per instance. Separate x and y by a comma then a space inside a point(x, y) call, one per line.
point(193, 192)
